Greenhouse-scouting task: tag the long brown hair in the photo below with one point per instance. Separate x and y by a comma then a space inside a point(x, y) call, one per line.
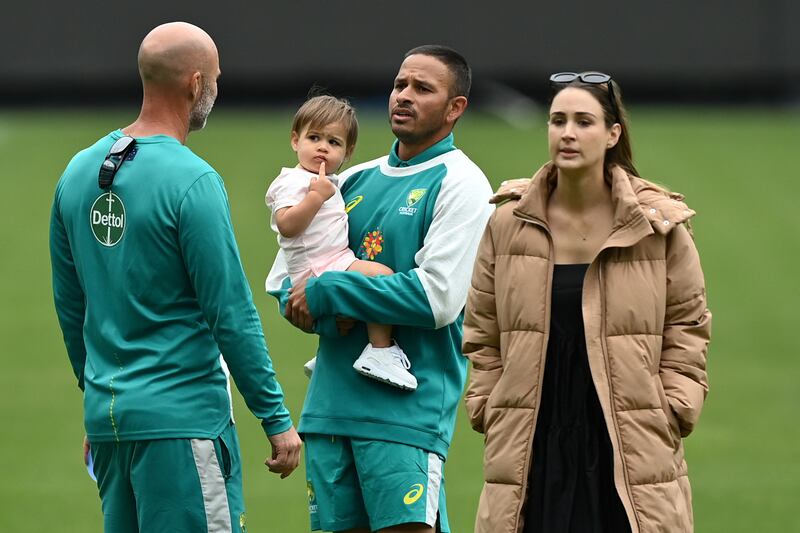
point(620, 154)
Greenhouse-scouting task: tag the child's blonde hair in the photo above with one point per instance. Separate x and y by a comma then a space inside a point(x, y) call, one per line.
point(320, 111)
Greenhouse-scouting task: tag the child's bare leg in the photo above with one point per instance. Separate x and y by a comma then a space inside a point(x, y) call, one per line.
point(370, 268)
point(380, 335)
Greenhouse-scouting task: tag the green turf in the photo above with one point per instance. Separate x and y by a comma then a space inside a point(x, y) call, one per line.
point(738, 168)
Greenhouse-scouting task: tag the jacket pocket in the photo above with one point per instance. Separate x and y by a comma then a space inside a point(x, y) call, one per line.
point(507, 446)
point(223, 455)
point(488, 417)
point(671, 419)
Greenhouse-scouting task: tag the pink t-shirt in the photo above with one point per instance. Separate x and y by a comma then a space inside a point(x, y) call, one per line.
point(324, 244)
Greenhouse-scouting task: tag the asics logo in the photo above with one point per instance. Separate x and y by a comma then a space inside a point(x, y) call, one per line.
point(352, 203)
point(414, 494)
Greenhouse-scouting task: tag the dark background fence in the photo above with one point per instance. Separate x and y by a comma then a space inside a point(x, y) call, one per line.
point(716, 50)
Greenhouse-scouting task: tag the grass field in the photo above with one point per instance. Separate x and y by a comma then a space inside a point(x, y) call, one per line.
point(739, 168)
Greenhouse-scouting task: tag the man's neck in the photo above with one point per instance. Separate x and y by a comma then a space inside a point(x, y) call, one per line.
point(406, 151)
point(159, 119)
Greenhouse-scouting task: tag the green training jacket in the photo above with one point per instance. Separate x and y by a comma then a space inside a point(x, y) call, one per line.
point(149, 291)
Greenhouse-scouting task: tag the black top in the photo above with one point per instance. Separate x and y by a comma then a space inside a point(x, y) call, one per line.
point(571, 485)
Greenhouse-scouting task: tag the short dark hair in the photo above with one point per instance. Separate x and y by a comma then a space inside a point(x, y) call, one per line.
point(455, 63)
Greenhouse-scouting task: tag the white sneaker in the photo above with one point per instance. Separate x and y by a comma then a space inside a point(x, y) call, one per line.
point(389, 365)
point(308, 368)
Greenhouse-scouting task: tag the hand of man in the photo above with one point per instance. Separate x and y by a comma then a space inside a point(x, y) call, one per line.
point(297, 308)
point(510, 190)
point(321, 184)
point(285, 452)
point(344, 325)
point(86, 450)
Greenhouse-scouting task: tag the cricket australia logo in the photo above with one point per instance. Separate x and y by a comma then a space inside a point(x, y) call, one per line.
point(413, 197)
point(312, 498)
point(107, 219)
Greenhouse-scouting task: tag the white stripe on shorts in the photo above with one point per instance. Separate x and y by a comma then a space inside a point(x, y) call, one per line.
point(434, 486)
point(215, 497)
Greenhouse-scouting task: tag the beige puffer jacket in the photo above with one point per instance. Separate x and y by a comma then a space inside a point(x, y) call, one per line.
point(647, 330)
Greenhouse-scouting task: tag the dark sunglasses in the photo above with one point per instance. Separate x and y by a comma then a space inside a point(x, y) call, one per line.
point(592, 78)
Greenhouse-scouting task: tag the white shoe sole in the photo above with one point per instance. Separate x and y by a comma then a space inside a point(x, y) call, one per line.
point(383, 377)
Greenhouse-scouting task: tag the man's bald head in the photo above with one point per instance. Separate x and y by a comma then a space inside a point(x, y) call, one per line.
point(174, 51)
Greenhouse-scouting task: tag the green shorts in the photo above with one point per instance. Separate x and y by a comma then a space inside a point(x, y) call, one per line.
point(359, 483)
point(171, 484)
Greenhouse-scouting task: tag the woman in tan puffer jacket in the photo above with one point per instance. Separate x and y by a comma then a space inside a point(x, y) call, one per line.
point(587, 328)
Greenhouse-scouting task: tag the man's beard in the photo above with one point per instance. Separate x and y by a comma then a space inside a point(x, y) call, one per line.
point(199, 114)
point(423, 132)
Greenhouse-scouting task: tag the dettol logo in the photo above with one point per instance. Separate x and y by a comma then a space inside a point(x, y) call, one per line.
point(107, 218)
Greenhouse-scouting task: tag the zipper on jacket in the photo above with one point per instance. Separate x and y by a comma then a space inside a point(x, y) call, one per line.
point(548, 296)
point(613, 413)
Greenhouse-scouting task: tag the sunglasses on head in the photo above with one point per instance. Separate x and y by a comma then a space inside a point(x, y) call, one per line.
point(591, 78)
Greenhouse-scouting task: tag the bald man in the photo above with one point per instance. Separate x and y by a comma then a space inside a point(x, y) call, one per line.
point(149, 291)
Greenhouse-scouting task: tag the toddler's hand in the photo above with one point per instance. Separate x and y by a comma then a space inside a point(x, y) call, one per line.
point(321, 184)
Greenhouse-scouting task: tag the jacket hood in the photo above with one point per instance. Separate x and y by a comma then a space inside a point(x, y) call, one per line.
point(664, 209)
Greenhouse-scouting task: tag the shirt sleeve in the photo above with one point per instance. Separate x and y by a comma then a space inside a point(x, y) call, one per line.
point(212, 261)
point(68, 295)
point(288, 189)
point(433, 294)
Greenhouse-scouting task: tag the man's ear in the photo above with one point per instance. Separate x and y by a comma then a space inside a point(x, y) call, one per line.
point(458, 105)
point(196, 85)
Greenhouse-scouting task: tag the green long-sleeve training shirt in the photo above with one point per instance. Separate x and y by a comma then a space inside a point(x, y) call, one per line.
point(423, 218)
point(149, 290)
